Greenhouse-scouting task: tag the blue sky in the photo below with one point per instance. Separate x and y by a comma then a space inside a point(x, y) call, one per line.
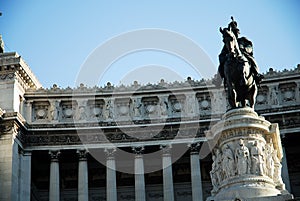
point(56, 37)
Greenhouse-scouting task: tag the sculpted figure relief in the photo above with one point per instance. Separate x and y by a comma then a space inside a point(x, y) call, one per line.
point(269, 159)
point(228, 164)
point(81, 114)
point(238, 67)
point(219, 172)
point(54, 110)
point(109, 110)
point(137, 108)
point(242, 158)
point(257, 160)
point(163, 106)
point(213, 174)
point(277, 169)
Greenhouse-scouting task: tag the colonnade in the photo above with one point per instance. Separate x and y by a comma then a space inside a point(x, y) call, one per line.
point(111, 182)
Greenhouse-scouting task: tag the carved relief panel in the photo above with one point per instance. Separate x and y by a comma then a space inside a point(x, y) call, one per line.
point(122, 108)
point(68, 110)
point(288, 92)
point(81, 111)
point(40, 110)
point(177, 105)
point(136, 107)
point(262, 96)
point(204, 101)
point(150, 105)
point(95, 108)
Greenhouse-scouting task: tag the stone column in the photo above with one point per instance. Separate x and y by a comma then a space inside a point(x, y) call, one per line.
point(54, 188)
point(111, 183)
point(285, 171)
point(167, 173)
point(83, 189)
point(196, 172)
point(139, 174)
point(25, 175)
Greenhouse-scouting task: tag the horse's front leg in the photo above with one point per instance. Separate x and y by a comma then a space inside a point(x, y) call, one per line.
point(231, 95)
point(252, 96)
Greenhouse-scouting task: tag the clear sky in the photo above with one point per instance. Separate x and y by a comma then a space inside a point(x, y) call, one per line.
point(56, 37)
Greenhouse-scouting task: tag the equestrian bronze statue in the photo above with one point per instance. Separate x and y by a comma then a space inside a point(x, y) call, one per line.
point(237, 68)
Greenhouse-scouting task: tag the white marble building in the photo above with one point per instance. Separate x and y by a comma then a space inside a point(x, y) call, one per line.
point(124, 142)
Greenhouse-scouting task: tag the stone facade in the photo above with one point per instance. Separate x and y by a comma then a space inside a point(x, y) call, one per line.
point(45, 132)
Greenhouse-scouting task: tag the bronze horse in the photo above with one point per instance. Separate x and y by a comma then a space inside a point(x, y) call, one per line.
point(238, 78)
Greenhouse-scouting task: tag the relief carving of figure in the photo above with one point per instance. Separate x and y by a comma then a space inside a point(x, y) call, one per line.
point(218, 102)
point(109, 110)
point(218, 160)
point(277, 170)
point(257, 159)
point(274, 96)
point(213, 174)
point(80, 114)
point(228, 165)
point(269, 159)
point(163, 105)
point(242, 158)
point(136, 108)
point(190, 104)
point(54, 110)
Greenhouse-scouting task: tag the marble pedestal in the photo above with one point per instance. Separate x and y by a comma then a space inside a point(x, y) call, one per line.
point(247, 155)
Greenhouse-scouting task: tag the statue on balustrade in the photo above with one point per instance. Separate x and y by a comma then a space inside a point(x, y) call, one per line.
point(238, 68)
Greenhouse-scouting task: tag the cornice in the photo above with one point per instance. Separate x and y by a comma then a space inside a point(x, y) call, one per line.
point(12, 64)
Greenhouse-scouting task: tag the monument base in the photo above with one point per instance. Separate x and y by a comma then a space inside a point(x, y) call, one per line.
point(246, 158)
point(287, 197)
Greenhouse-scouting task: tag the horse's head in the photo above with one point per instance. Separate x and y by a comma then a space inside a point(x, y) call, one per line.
point(230, 41)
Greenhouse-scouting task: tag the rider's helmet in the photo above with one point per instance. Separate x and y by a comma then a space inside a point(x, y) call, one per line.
point(233, 26)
